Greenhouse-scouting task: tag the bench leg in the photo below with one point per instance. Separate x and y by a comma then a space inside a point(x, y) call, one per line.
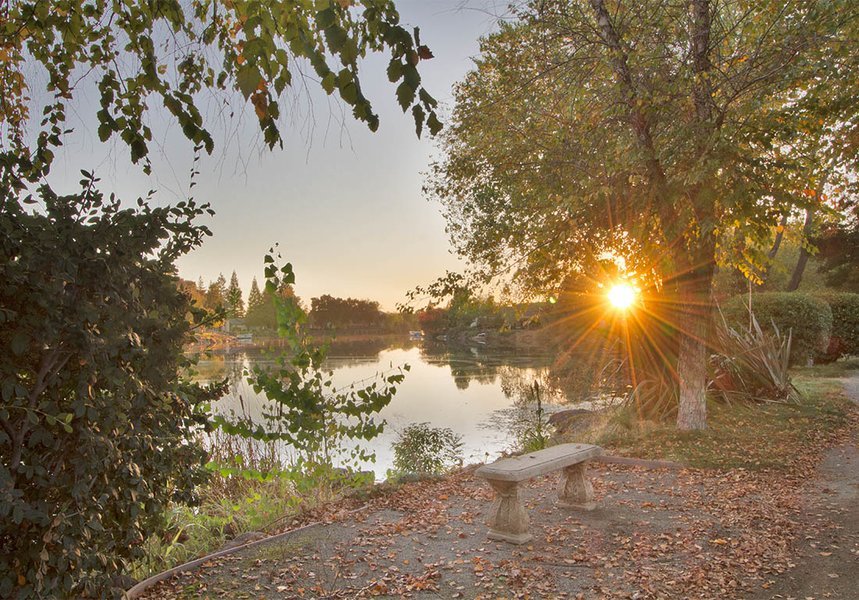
point(576, 489)
point(508, 519)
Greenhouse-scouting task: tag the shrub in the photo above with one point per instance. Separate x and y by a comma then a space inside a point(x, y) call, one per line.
point(424, 450)
point(844, 340)
point(98, 435)
point(752, 364)
point(807, 319)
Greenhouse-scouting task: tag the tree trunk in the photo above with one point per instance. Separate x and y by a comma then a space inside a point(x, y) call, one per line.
point(692, 372)
point(694, 320)
point(778, 236)
point(798, 270)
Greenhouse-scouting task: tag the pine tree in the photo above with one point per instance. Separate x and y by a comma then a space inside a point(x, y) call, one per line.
point(253, 316)
point(216, 295)
point(235, 303)
point(254, 297)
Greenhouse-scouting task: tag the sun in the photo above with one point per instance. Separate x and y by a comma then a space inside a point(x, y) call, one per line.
point(621, 296)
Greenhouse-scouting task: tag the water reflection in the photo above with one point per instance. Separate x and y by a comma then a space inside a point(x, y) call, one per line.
point(463, 390)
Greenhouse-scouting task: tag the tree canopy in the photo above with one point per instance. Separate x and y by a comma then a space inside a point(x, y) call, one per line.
point(328, 311)
point(670, 135)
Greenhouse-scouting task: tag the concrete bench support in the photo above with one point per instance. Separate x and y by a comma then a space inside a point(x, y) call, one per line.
point(576, 490)
point(508, 519)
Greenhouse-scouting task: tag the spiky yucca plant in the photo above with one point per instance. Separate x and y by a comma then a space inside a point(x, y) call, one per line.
point(751, 365)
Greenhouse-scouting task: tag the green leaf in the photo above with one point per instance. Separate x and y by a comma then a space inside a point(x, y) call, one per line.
point(247, 78)
point(20, 343)
point(411, 76)
point(395, 70)
point(405, 95)
point(418, 114)
point(427, 99)
point(325, 18)
point(336, 38)
point(433, 124)
point(329, 82)
point(104, 132)
point(349, 92)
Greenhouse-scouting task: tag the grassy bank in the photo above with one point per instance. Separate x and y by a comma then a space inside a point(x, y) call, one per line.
point(268, 498)
point(764, 436)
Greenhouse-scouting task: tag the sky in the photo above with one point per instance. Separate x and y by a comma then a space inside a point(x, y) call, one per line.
point(344, 203)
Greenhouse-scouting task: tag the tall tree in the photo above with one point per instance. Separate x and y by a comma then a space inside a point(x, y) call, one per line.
point(234, 301)
point(216, 294)
point(328, 311)
point(263, 312)
point(254, 296)
point(193, 292)
point(659, 132)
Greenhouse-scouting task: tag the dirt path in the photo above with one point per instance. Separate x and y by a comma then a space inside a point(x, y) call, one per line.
point(827, 561)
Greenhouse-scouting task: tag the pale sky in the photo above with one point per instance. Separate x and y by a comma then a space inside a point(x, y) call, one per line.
point(344, 203)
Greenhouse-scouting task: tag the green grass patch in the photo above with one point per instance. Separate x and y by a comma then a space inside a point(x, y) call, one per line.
point(840, 368)
point(191, 532)
point(760, 436)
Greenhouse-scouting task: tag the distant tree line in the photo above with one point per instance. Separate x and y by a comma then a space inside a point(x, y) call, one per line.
point(326, 311)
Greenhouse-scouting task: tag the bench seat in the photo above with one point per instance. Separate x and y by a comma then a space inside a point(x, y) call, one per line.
point(508, 519)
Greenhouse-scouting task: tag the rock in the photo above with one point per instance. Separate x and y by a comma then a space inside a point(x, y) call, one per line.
point(561, 417)
point(574, 420)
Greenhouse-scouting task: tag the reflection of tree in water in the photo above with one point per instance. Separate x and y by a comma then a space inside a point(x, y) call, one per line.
point(217, 367)
point(477, 365)
point(534, 397)
point(466, 372)
point(517, 383)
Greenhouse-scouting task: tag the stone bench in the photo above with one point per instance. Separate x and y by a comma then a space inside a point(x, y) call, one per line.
point(508, 519)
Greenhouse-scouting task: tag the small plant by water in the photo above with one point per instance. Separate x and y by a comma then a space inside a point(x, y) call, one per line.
point(424, 450)
point(534, 434)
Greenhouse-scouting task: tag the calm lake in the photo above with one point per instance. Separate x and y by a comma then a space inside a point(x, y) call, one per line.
point(476, 392)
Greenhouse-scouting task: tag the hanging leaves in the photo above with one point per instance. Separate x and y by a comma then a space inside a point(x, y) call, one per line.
point(257, 45)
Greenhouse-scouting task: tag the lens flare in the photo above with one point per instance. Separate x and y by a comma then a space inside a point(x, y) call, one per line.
point(621, 296)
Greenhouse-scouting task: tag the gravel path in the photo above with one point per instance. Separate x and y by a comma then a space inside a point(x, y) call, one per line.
point(828, 554)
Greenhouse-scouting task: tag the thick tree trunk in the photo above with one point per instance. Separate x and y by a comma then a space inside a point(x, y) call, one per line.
point(694, 321)
point(692, 372)
point(695, 305)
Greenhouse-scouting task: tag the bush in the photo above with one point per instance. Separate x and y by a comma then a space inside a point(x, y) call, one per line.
point(424, 450)
point(98, 435)
point(807, 319)
point(844, 340)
